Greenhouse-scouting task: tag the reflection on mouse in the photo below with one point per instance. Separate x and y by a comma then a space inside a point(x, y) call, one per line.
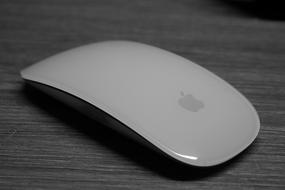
point(156, 96)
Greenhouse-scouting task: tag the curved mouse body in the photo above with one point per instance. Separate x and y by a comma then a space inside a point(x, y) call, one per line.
point(179, 107)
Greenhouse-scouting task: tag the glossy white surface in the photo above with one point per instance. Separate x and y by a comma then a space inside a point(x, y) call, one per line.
point(142, 87)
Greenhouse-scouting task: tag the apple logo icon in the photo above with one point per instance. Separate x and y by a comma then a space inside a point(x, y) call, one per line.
point(189, 102)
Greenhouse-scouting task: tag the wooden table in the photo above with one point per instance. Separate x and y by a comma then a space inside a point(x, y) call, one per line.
point(45, 145)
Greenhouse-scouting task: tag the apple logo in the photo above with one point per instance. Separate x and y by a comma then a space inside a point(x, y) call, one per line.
point(189, 102)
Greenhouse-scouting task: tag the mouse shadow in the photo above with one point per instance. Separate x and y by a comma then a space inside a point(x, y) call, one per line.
point(122, 145)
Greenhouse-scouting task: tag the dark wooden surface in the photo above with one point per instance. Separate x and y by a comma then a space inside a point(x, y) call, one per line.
point(45, 145)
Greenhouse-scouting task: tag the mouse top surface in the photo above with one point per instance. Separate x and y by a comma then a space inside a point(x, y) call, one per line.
point(181, 108)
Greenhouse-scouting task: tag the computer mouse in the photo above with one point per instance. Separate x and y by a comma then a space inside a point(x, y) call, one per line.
point(157, 97)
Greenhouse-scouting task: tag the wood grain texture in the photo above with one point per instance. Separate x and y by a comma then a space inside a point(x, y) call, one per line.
point(45, 145)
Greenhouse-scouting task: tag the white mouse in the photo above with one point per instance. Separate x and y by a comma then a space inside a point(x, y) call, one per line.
point(158, 97)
